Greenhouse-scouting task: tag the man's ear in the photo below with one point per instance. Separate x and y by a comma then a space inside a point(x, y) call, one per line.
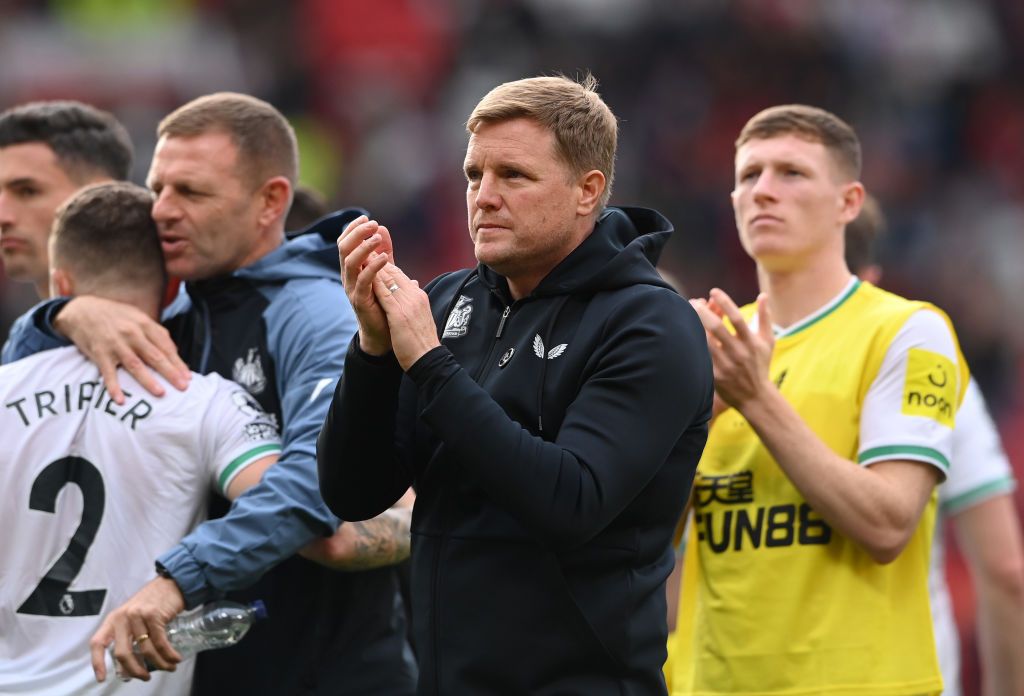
point(592, 185)
point(61, 283)
point(851, 201)
point(276, 198)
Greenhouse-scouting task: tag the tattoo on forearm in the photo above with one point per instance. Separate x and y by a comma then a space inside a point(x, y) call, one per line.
point(384, 540)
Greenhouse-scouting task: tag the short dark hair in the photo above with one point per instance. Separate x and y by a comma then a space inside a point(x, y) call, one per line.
point(265, 140)
point(308, 206)
point(106, 237)
point(862, 233)
point(810, 123)
point(85, 139)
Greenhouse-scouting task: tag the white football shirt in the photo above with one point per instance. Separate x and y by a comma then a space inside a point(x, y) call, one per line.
point(979, 471)
point(92, 493)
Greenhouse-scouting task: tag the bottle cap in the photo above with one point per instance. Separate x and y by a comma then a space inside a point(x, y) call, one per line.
point(259, 609)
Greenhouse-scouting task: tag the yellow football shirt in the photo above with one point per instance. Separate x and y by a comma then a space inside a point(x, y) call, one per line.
point(774, 601)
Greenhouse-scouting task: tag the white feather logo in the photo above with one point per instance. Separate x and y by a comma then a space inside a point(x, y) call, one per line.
point(538, 348)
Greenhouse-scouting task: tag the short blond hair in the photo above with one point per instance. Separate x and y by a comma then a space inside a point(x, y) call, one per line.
point(585, 129)
point(265, 140)
point(810, 123)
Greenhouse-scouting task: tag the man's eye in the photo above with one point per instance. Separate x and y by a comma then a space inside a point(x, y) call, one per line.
point(26, 192)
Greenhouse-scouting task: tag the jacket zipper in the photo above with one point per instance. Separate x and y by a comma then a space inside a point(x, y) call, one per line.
point(501, 324)
point(443, 541)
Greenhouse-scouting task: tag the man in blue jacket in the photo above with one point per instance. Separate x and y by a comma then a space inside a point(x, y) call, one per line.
point(550, 406)
point(256, 309)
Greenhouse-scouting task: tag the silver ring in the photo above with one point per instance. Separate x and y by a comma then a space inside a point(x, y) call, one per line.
point(393, 287)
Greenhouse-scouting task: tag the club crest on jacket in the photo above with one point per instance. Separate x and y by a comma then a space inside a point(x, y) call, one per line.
point(458, 321)
point(248, 372)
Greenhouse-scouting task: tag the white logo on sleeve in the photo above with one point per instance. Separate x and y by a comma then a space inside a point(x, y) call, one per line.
point(458, 321)
point(249, 373)
point(247, 405)
point(263, 425)
point(538, 348)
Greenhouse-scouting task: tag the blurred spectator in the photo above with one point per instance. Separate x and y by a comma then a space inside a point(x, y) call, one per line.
point(308, 206)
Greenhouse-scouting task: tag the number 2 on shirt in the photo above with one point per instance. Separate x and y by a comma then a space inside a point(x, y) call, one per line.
point(51, 597)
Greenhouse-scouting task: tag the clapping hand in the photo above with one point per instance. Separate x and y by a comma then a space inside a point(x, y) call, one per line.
point(413, 331)
point(364, 248)
point(740, 359)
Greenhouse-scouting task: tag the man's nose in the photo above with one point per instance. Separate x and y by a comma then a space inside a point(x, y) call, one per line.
point(164, 207)
point(6, 210)
point(764, 187)
point(488, 196)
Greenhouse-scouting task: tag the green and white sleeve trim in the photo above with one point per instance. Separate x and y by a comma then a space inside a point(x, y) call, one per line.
point(978, 494)
point(915, 453)
point(243, 460)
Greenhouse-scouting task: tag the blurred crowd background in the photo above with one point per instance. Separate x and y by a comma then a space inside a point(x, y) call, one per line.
point(378, 91)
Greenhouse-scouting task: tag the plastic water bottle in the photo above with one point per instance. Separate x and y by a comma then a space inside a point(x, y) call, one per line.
point(214, 625)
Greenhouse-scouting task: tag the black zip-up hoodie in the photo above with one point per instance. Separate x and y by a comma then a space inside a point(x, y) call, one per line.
point(552, 442)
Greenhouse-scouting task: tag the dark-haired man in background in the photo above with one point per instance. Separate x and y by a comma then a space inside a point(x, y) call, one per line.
point(48, 150)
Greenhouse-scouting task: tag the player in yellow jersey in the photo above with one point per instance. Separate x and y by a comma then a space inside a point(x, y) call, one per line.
point(806, 568)
point(977, 497)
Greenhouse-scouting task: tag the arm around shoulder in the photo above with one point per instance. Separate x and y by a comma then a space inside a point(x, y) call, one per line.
point(33, 332)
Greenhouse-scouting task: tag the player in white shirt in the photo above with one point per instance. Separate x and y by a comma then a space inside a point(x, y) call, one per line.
point(94, 490)
point(976, 496)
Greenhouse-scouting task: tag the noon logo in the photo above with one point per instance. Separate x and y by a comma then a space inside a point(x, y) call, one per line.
point(930, 387)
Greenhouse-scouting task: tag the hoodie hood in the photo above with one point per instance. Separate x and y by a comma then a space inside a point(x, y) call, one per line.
point(308, 253)
point(623, 250)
